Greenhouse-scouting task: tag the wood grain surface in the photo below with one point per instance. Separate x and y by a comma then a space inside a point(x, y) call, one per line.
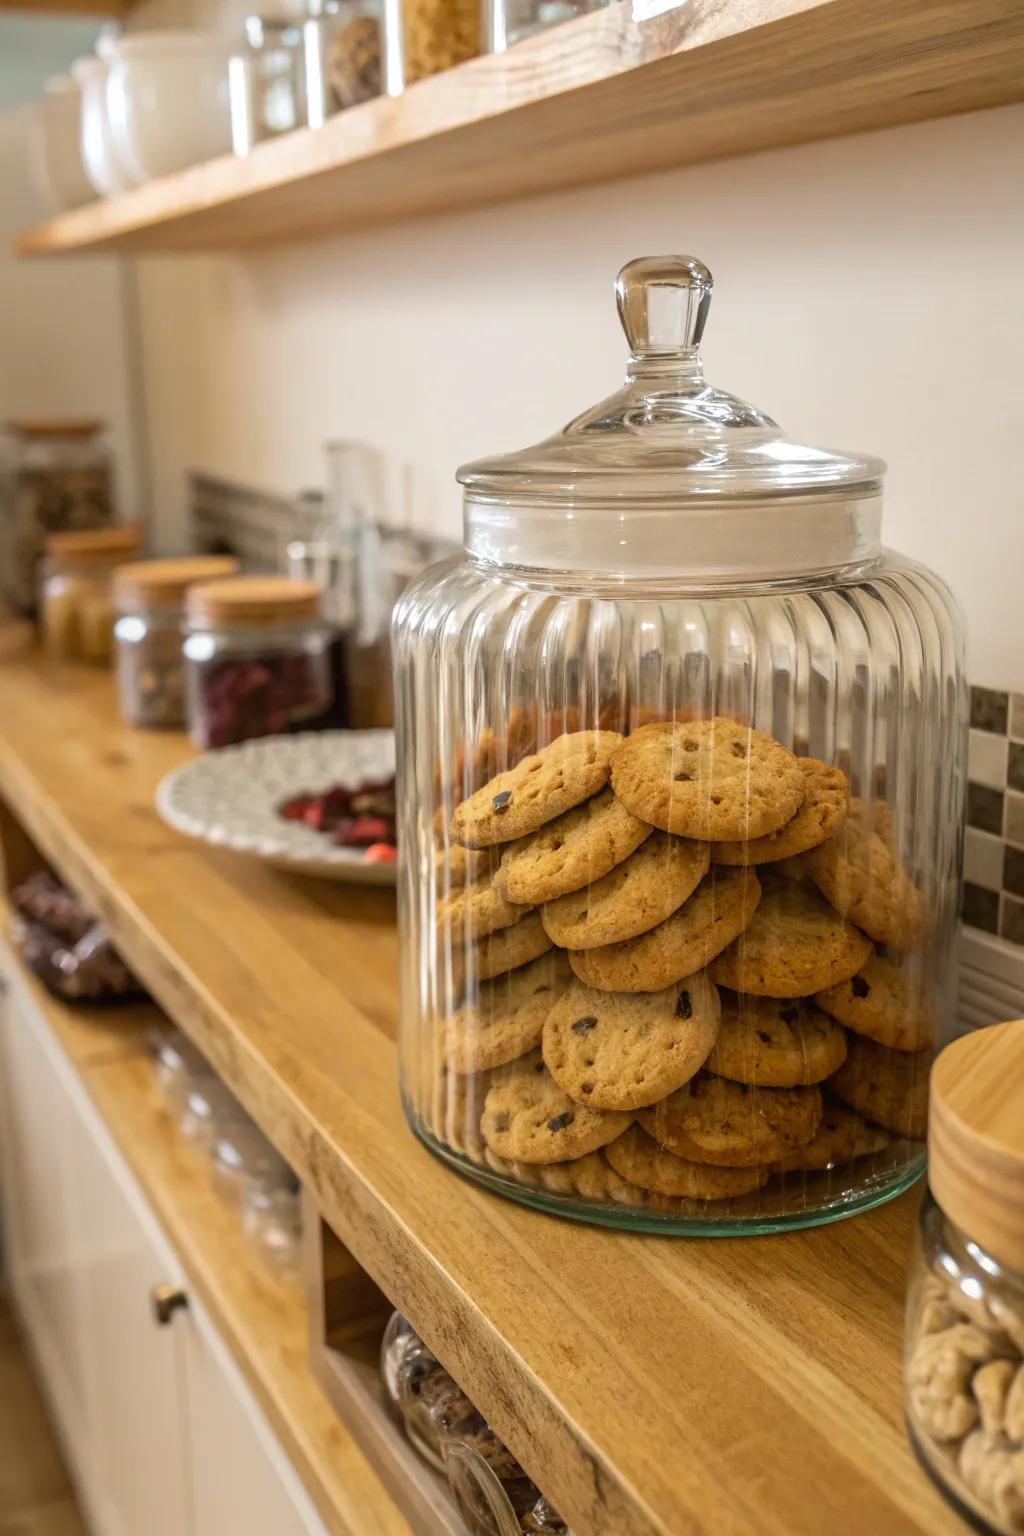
point(597, 98)
point(652, 1387)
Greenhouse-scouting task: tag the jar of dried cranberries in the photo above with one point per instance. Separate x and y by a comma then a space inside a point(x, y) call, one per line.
point(256, 659)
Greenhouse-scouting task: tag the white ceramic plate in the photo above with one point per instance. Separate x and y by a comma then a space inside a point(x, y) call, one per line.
point(230, 798)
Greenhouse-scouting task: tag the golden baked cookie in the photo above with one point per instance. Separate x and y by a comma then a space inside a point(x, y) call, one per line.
point(640, 1160)
point(775, 1042)
point(536, 790)
point(712, 1120)
point(795, 944)
point(636, 895)
point(526, 940)
point(889, 1087)
point(719, 909)
point(572, 851)
point(453, 1107)
point(506, 1018)
point(841, 1137)
point(458, 866)
point(589, 1177)
point(887, 1002)
point(477, 909)
point(709, 779)
point(826, 795)
point(528, 1118)
point(622, 1051)
point(860, 875)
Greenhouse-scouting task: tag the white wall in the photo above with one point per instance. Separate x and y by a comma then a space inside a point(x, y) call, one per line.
point(869, 295)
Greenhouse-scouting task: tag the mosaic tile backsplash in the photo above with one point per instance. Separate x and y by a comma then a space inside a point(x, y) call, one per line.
point(994, 851)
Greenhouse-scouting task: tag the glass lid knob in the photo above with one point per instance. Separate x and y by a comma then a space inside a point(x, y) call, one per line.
point(663, 304)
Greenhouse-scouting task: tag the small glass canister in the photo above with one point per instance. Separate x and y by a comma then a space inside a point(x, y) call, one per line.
point(424, 37)
point(509, 21)
point(149, 598)
point(58, 478)
point(964, 1368)
point(77, 591)
point(257, 658)
point(272, 1219)
point(266, 82)
point(344, 55)
point(241, 1156)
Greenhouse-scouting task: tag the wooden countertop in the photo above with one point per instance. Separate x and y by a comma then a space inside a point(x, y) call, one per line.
point(743, 1387)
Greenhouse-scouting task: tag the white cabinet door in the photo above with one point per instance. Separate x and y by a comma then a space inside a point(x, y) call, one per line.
point(241, 1479)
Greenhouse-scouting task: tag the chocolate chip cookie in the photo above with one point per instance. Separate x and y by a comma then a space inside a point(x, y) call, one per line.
point(775, 1042)
point(633, 897)
point(841, 1137)
point(707, 922)
point(613, 1051)
point(795, 944)
point(887, 1002)
point(572, 851)
point(863, 880)
point(506, 1018)
point(539, 788)
point(524, 941)
point(826, 795)
point(641, 1161)
point(889, 1087)
point(527, 1117)
point(712, 1120)
point(715, 779)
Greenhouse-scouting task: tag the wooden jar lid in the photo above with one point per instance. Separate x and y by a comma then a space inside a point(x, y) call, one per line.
point(95, 546)
point(253, 600)
point(72, 427)
point(163, 583)
point(976, 1138)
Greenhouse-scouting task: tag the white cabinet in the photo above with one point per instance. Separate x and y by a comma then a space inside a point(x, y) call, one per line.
point(162, 1432)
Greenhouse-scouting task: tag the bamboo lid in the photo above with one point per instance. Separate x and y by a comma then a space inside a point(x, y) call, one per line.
point(73, 427)
point(163, 583)
point(95, 546)
point(976, 1138)
point(252, 601)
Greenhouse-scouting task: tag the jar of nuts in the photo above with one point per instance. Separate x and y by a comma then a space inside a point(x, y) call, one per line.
point(965, 1313)
point(257, 659)
point(77, 597)
point(344, 52)
point(149, 598)
point(424, 37)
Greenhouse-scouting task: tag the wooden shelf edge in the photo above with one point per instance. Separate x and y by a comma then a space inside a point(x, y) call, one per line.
point(597, 98)
point(261, 1317)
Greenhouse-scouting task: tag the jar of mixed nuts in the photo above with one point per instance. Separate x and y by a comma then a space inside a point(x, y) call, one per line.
point(424, 37)
point(257, 659)
point(965, 1314)
point(149, 598)
point(77, 591)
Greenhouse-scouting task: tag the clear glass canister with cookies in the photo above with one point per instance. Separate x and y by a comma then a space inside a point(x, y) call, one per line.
point(681, 754)
point(964, 1370)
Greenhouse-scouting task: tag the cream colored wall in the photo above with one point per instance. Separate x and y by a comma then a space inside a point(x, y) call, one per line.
point(868, 296)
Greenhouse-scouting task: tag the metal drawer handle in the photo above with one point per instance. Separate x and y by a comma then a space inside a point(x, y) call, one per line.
point(167, 1299)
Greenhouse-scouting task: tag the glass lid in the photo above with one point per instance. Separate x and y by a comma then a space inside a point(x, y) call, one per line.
point(667, 433)
point(670, 479)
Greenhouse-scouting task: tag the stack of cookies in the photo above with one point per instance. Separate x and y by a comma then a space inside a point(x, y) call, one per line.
point(672, 966)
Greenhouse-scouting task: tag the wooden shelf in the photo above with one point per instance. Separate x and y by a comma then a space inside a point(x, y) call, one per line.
point(597, 98)
point(650, 1386)
point(260, 1316)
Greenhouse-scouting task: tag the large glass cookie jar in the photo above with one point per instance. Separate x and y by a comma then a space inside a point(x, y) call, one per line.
point(681, 756)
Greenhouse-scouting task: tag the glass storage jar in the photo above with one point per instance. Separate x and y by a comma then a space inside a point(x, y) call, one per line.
point(272, 1218)
point(266, 82)
point(257, 658)
point(57, 479)
point(149, 597)
point(77, 591)
point(344, 53)
point(964, 1369)
point(509, 21)
point(423, 37)
point(681, 774)
point(242, 1154)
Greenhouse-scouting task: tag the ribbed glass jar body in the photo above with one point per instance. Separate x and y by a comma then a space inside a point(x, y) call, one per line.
point(965, 1372)
point(861, 670)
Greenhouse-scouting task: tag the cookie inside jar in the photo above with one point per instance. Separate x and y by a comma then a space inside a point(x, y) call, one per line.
point(681, 754)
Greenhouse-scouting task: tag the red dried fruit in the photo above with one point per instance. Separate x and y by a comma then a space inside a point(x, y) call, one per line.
point(381, 853)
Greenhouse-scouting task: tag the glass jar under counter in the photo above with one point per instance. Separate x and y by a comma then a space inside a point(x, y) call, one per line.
point(257, 659)
point(272, 1219)
point(964, 1367)
point(149, 598)
point(681, 772)
point(424, 37)
point(57, 478)
point(77, 601)
point(242, 1155)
